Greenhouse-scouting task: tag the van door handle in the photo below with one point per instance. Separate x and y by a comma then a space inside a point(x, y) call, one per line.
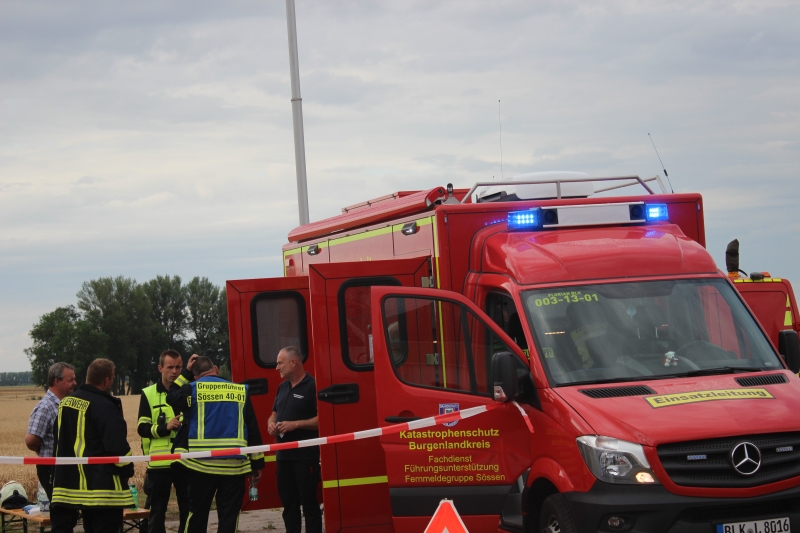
point(340, 393)
point(400, 419)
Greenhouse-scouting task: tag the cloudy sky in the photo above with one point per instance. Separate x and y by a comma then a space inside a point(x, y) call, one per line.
point(155, 137)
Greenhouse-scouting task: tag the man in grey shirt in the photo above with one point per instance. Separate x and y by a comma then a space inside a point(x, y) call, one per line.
point(61, 382)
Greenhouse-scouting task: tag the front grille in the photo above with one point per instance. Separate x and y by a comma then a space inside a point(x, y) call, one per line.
point(617, 392)
point(716, 469)
point(756, 381)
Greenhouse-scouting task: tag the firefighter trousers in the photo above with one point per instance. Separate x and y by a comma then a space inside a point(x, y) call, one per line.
point(63, 518)
point(229, 493)
point(159, 482)
point(102, 519)
point(297, 485)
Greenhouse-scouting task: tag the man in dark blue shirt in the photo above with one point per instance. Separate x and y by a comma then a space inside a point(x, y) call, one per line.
point(294, 417)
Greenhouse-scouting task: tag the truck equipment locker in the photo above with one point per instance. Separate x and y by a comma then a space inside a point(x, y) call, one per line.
point(353, 473)
point(434, 354)
point(264, 315)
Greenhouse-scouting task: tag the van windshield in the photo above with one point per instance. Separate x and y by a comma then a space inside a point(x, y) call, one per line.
point(645, 330)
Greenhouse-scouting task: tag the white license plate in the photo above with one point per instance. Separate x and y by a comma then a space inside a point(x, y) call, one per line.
point(770, 525)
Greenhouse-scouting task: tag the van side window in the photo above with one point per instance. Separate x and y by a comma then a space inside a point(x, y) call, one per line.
point(501, 309)
point(278, 319)
point(355, 321)
point(439, 344)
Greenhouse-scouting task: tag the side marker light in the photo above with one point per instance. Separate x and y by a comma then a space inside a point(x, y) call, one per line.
point(525, 220)
point(656, 212)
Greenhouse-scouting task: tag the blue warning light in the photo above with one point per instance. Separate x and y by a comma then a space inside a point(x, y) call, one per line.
point(656, 212)
point(525, 220)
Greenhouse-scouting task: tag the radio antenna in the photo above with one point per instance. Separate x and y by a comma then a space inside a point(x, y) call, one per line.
point(500, 120)
point(662, 164)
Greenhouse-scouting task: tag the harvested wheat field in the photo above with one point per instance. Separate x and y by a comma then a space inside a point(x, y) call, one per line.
point(16, 404)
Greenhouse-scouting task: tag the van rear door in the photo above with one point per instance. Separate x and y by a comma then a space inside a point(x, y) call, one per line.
point(433, 354)
point(264, 315)
point(772, 301)
point(354, 479)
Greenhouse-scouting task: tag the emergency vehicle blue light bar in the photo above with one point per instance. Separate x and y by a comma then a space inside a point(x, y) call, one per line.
point(525, 220)
point(656, 212)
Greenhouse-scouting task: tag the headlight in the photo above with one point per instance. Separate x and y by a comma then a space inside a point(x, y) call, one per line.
point(616, 461)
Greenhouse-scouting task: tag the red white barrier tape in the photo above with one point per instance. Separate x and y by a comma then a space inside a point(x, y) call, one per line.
point(334, 439)
point(524, 416)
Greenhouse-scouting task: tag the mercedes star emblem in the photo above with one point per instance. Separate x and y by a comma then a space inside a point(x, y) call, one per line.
point(746, 458)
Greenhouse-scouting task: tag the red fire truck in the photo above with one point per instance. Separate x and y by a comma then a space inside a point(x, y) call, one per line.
point(657, 400)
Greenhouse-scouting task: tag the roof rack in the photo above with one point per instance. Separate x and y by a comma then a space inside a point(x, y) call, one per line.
point(631, 180)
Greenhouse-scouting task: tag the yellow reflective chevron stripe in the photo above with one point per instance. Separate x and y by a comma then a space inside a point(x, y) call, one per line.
point(201, 418)
point(144, 419)
point(225, 467)
point(198, 445)
point(240, 434)
point(93, 498)
point(80, 446)
point(181, 381)
point(157, 445)
point(354, 482)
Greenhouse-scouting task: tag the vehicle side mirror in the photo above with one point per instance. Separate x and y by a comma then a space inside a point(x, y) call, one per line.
point(504, 370)
point(789, 348)
point(512, 378)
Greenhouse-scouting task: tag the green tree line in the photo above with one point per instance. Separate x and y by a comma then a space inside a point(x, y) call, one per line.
point(9, 379)
point(132, 323)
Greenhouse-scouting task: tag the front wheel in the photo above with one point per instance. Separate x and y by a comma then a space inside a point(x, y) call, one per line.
point(555, 516)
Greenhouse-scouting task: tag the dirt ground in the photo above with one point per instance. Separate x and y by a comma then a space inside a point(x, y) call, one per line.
point(249, 522)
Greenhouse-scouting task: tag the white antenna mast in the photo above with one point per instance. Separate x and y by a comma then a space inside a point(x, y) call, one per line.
point(297, 116)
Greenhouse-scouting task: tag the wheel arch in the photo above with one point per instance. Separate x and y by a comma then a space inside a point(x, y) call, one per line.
point(535, 495)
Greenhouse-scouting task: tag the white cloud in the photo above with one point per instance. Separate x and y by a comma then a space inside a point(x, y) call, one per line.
point(153, 138)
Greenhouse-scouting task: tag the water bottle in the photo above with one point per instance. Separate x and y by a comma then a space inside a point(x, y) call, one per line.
point(253, 493)
point(135, 494)
point(41, 497)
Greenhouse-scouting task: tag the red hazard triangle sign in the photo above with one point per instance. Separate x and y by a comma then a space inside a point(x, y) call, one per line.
point(446, 520)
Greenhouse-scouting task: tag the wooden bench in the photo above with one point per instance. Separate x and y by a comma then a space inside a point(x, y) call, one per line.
point(130, 520)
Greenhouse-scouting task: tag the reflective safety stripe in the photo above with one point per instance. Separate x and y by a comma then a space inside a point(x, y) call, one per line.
point(219, 466)
point(102, 498)
point(354, 481)
point(269, 458)
point(157, 445)
point(205, 445)
point(222, 466)
point(181, 381)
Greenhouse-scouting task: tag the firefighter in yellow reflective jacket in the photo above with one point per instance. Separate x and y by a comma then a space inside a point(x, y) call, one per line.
point(90, 424)
point(158, 425)
point(218, 415)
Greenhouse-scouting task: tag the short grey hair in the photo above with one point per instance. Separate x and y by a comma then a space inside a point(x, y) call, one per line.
point(202, 364)
point(56, 371)
point(293, 353)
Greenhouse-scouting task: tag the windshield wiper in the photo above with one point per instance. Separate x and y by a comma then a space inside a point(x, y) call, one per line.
point(719, 370)
point(614, 380)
